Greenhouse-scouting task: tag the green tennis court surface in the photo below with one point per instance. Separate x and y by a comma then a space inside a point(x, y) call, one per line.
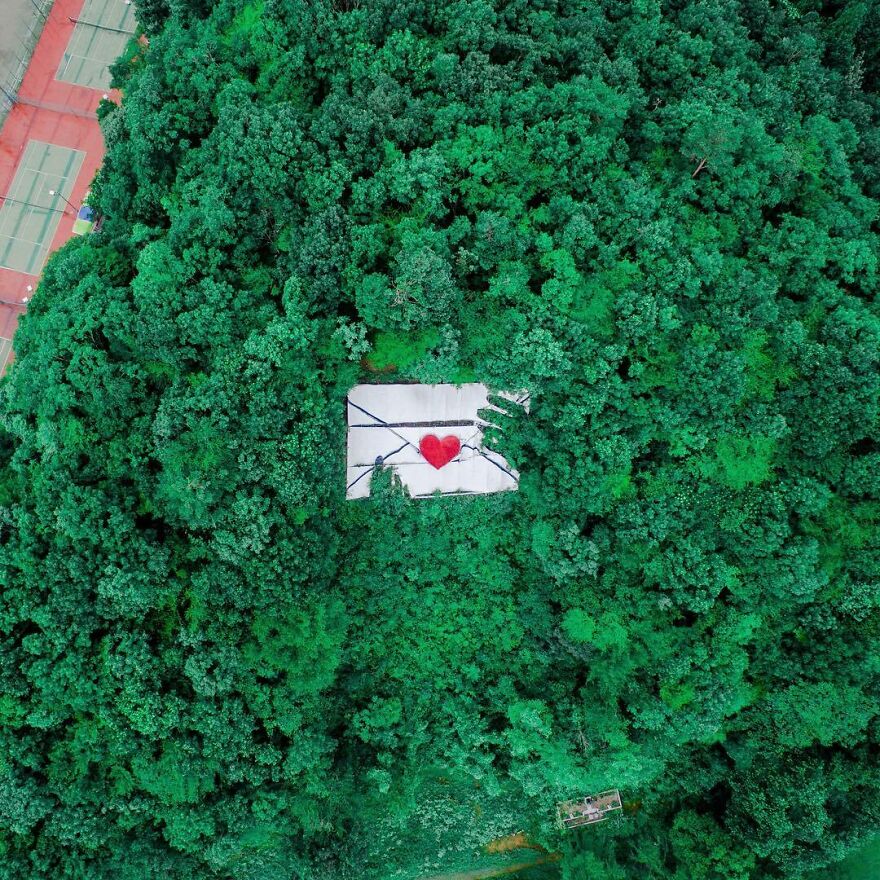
point(29, 216)
point(5, 352)
point(103, 28)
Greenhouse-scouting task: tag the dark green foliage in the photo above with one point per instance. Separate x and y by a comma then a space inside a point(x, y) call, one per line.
point(661, 218)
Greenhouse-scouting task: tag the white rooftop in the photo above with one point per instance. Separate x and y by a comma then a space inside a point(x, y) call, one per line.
point(403, 426)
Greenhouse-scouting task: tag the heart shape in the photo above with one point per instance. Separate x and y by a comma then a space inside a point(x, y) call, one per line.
point(438, 452)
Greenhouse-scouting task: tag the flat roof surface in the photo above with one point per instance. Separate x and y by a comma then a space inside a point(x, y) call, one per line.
point(396, 423)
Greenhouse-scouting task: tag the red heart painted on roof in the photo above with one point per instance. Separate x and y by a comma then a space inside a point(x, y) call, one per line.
point(438, 452)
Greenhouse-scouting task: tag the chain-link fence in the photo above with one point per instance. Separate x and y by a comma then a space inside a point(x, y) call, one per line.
point(19, 43)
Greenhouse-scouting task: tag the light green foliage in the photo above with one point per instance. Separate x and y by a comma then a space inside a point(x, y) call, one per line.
point(401, 350)
point(661, 219)
point(743, 460)
point(822, 712)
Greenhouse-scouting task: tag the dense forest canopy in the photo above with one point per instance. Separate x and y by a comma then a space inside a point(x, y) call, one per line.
point(659, 217)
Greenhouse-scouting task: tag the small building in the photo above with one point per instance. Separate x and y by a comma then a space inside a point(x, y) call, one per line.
point(430, 435)
point(588, 810)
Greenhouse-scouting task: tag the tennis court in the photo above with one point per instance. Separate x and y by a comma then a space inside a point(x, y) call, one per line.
point(29, 216)
point(5, 353)
point(102, 30)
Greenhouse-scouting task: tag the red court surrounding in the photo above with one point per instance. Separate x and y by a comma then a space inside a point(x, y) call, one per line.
point(53, 112)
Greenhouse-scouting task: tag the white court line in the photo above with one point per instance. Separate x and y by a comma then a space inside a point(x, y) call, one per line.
point(84, 58)
point(36, 244)
point(21, 240)
point(19, 185)
point(3, 339)
point(22, 219)
point(40, 177)
point(62, 73)
point(39, 174)
point(16, 222)
point(80, 58)
point(29, 186)
point(31, 212)
point(41, 248)
point(22, 271)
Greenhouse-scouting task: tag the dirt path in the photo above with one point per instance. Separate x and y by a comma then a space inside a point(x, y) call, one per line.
point(487, 873)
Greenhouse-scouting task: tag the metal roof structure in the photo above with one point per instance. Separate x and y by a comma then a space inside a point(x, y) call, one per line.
point(431, 435)
point(588, 810)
